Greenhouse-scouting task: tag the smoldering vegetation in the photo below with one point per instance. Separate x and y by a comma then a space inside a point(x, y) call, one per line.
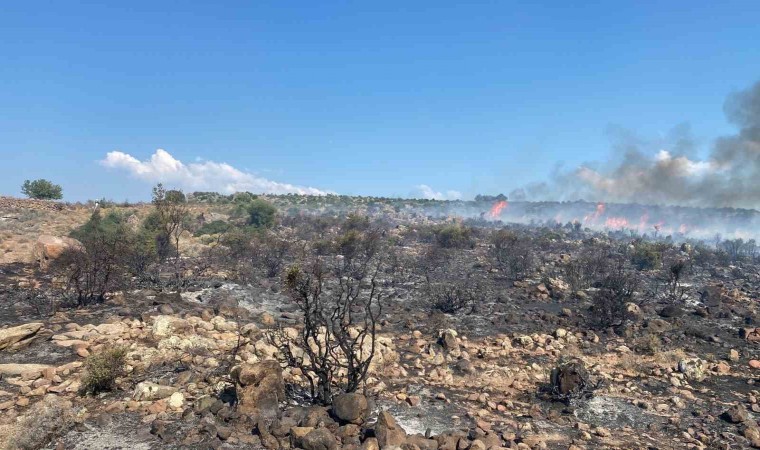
point(679, 223)
point(208, 321)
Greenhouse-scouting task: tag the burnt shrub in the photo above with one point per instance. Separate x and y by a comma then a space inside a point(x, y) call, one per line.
point(98, 267)
point(512, 252)
point(337, 341)
point(271, 253)
point(42, 423)
point(452, 297)
point(591, 264)
point(610, 300)
point(570, 382)
point(356, 222)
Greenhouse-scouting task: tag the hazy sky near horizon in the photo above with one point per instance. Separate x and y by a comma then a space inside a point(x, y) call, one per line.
point(437, 99)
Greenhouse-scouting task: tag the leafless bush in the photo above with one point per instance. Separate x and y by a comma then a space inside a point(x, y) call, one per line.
point(44, 304)
point(452, 296)
point(271, 253)
point(610, 300)
point(91, 273)
point(512, 252)
point(590, 265)
point(676, 291)
point(340, 303)
point(172, 214)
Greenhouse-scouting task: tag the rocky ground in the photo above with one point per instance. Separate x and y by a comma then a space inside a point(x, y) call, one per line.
point(200, 372)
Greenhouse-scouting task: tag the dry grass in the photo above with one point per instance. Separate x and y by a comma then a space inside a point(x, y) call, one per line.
point(45, 420)
point(20, 226)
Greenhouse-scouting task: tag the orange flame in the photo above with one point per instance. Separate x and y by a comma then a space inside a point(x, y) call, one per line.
point(616, 223)
point(596, 215)
point(496, 209)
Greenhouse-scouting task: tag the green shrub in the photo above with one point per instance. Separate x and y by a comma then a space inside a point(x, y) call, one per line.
point(102, 369)
point(454, 236)
point(259, 213)
point(215, 227)
point(243, 197)
point(646, 256)
point(175, 196)
point(154, 232)
point(112, 226)
point(42, 189)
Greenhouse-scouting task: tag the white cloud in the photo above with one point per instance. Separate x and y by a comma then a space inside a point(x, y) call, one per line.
point(199, 176)
point(425, 191)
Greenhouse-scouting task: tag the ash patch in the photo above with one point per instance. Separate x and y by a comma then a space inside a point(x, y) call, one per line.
point(255, 299)
point(435, 415)
point(40, 352)
point(611, 412)
point(122, 432)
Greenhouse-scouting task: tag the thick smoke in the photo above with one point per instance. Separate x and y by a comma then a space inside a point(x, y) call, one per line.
point(729, 177)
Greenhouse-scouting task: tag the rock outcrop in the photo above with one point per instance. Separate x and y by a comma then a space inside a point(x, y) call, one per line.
point(49, 248)
point(260, 388)
point(13, 335)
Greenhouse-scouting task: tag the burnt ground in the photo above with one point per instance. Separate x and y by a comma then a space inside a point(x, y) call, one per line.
point(507, 343)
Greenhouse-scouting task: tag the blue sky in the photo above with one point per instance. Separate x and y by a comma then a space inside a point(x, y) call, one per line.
point(356, 97)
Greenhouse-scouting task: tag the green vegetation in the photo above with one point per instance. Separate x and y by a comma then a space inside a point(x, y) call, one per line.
point(102, 369)
point(175, 196)
point(259, 213)
point(42, 189)
point(215, 227)
point(98, 268)
point(170, 219)
point(646, 256)
point(454, 236)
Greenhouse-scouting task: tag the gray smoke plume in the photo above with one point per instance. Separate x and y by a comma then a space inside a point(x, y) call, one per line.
point(729, 177)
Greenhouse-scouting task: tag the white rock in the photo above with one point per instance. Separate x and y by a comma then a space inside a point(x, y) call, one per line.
point(176, 400)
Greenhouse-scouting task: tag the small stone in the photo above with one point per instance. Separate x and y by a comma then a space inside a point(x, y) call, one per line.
point(176, 400)
point(224, 433)
point(413, 400)
point(602, 432)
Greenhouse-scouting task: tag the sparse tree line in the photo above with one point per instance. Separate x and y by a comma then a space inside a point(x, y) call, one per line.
point(119, 250)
